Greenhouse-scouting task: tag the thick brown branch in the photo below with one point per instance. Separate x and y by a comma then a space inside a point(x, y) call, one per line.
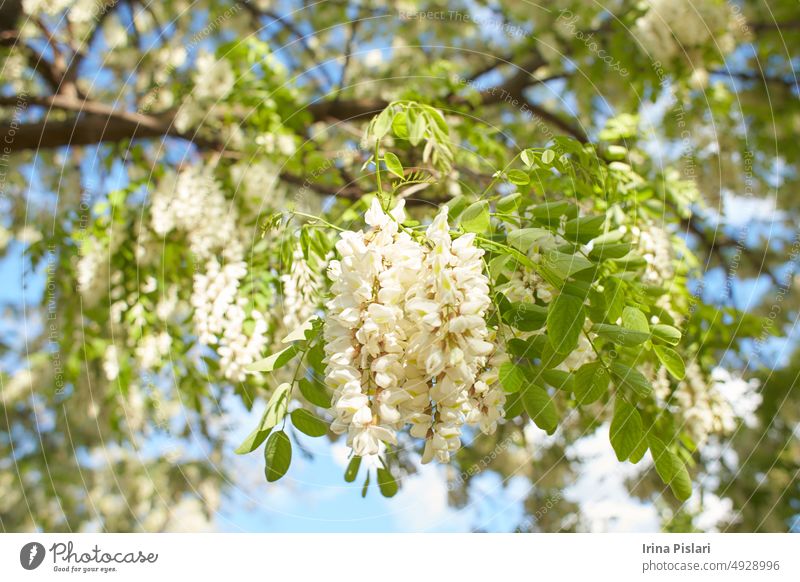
point(787, 81)
point(67, 103)
point(105, 124)
point(715, 242)
point(776, 26)
point(95, 123)
point(84, 130)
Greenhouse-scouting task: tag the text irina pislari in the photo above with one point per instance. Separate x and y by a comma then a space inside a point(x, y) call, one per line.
point(679, 548)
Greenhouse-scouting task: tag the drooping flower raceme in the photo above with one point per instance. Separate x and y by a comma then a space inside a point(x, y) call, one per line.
point(406, 337)
point(447, 306)
point(300, 287)
point(192, 202)
point(672, 27)
point(366, 331)
point(220, 315)
point(705, 409)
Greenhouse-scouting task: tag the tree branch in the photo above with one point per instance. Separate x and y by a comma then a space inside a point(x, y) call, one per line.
point(787, 82)
point(95, 123)
point(109, 124)
point(714, 243)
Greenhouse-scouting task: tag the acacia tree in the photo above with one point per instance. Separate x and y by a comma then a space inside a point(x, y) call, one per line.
point(435, 232)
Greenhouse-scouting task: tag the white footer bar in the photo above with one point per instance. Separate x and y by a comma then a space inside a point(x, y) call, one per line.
point(399, 557)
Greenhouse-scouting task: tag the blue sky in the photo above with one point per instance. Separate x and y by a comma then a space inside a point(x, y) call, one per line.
point(314, 497)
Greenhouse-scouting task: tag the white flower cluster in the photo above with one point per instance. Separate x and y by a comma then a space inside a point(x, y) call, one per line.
point(213, 77)
point(49, 7)
point(220, 315)
point(582, 354)
point(192, 202)
point(92, 283)
point(111, 362)
point(151, 349)
point(658, 251)
point(406, 337)
point(671, 28)
point(93, 266)
point(300, 288)
point(213, 81)
point(258, 185)
point(707, 406)
point(527, 286)
point(656, 248)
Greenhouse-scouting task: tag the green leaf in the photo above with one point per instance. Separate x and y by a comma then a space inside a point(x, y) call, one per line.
point(253, 441)
point(393, 164)
point(400, 125)
point(300, 332)
point(631, 379)
point(315, 357)
point(638, 452)
point(497, 265)
point(476, 217)
point(548, 156)
point(513, 407)
point(565, 319)
point(635, 320)
point(591, 383)
point(672, 361)
point(525, 239)
point(616, 152)
point(559, 379)
point(366, 486)
point(525, 316)
point(456, 206)
point(278, 455)
point(383, 122)
point(626, 430)
point(275, 361)
point(277, 406)
point(307, 423)
point(387, 483)
point(512, 377)
point(416, 131)
point(518, 177)
point(508, 204)
point(540, 407)
point(528, 158)
point(550, 358)
point(566, 265)
point(620, 335)
point(584, 228)
point(666, 334)
point(630, 262)
point(681, 483)
point(615, 298)
point(551, 212)
point(353, 466)
point(609, 251)
point(315, 393)
point(670, 468)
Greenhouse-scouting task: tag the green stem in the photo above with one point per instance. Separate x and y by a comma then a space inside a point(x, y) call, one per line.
point(376, 156)
point(498, 175)
point(317, 218)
